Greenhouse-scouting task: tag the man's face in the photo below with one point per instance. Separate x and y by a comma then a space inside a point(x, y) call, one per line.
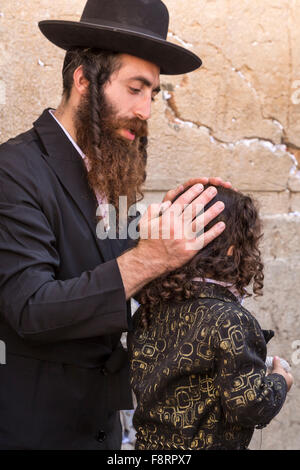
point(130, 91)
point(111, 129)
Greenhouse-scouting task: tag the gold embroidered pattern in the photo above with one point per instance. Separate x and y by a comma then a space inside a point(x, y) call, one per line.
point(199, 376)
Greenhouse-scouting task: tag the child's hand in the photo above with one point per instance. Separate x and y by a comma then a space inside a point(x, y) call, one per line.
point(278, 369)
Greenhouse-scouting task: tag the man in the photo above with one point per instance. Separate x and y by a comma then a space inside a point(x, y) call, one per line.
point(64, 293)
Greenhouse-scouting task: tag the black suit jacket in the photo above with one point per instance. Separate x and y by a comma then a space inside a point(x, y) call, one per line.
point(62, 300)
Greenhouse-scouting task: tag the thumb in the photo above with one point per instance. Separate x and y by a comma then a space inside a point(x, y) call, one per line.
point(164, 206)
point(157, 209)
point(151, 212)
point(154, 211)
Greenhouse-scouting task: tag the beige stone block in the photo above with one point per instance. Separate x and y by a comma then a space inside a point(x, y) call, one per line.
point(179, 151)
point(268, 203)
point(243, 87)
point(30, 65)
point(295, 202)
point(278, 310)
point(294, 181)
point(271, 202)
point(281, 236)
point(292, 131)
point(202, 98)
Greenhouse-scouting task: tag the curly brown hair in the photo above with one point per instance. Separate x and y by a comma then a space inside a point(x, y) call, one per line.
point(243, 232)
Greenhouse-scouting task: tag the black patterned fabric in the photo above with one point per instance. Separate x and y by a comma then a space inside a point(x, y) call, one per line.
point(199, 376)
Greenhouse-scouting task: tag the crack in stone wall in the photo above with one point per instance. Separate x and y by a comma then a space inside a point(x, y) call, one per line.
point(175, 119)
point(182, 42)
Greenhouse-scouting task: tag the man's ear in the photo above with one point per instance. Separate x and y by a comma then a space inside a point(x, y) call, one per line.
point(80, 83)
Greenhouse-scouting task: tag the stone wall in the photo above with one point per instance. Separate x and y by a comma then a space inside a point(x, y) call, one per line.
point(237, 117)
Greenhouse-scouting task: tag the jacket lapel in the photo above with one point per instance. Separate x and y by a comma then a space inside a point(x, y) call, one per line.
point(70, 169)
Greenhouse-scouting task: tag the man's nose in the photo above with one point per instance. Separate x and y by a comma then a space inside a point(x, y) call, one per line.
point(143, 109)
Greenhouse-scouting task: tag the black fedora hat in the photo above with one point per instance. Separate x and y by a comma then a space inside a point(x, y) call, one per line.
point(135, 27)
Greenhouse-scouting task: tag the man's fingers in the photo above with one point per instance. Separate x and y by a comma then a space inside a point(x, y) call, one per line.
point(153, 211)
point(203, 219)
point(171, 195)
point(204, 239)
point(186, 198)
point(194, 181)
point(217, 181)
point(164, 206)
point(197, 205)
point(213, 233)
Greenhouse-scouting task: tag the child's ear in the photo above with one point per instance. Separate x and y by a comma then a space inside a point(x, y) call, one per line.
point(230, 250)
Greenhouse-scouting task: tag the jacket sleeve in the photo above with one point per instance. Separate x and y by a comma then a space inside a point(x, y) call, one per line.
point(249, 397)
point(37, 305)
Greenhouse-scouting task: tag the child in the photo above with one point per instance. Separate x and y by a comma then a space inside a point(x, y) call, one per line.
point(197, 355)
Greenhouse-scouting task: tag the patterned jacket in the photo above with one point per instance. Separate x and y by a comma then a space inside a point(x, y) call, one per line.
point(199, 376)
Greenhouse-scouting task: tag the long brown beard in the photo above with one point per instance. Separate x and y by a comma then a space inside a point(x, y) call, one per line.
point(117, 167)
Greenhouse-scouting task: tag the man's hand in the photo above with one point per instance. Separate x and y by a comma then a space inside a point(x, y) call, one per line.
point(171, 239)
point(173, 193)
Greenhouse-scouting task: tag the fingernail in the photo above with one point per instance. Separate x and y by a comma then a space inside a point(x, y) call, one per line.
point(212, 191)
point(199, 187)
point(164, 206)
point(221, 225)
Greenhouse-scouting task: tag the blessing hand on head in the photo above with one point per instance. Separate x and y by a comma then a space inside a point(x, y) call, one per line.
point(215, 181)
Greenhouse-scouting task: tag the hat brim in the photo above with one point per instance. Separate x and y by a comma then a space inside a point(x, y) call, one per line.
point(172, 59)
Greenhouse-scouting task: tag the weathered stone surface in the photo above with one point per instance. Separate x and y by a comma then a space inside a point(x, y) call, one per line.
point(272, 202)
point(30, 66)
point(294, 181)
point(278, 309)
point(268, 202)
point(292, 131)
point(295, 202)
point(282, 237)
point(244, 88)
point(182, 150)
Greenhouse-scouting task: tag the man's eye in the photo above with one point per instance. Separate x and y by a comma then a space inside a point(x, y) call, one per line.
point(134, 90)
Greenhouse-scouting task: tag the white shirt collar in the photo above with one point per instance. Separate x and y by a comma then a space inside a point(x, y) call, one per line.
point(228, 285)
point(51, 111)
